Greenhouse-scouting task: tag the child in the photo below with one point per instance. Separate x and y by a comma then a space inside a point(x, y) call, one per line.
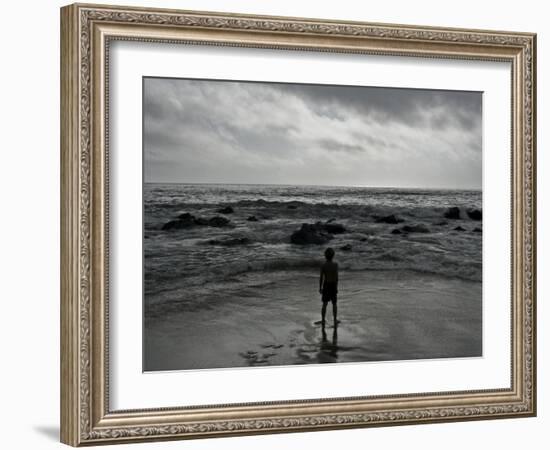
point(328, 285)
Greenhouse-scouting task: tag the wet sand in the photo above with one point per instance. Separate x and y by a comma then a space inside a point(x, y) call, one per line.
point(385, 316)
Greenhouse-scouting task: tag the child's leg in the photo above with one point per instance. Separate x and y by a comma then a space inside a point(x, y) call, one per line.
point(323, 312)
point(334, 311)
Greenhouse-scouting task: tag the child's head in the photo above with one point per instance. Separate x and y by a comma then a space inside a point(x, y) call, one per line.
point(329, 254)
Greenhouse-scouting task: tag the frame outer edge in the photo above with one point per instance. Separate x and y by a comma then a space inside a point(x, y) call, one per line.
point(79, 337)
point(69, 184)
point(534, 374)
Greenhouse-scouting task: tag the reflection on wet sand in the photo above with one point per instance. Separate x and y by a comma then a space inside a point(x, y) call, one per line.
point(328, 350)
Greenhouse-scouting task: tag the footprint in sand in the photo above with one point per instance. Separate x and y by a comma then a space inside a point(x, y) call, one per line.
point(274, 346)
point(259, 362)
point(254, 359)
point(249, 355)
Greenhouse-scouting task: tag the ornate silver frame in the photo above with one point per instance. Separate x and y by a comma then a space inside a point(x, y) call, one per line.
point(86, 31)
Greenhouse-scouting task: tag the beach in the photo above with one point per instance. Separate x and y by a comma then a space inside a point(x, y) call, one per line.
point(383, 316)
point(227, 285)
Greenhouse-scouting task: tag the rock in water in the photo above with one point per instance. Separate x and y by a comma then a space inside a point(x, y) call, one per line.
point(334, 228)
point(218, 221)
point(474, 214)
point(310, 234)
point(396, 231)
point(452, 213)
point(459, 228)
point(252, 219)
point(172, 225)
point(316, 233)
point(415, 229)
point(201, 221)
point(226, 210)
point(187, 220)
point(477, 230)
point(391, 219)
point(179, 224)
point(346, 248)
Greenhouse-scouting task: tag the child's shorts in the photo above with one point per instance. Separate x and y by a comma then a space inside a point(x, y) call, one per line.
point(330, 293)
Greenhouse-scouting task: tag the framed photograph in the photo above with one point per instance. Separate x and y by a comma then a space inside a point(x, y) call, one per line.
point(276, 224)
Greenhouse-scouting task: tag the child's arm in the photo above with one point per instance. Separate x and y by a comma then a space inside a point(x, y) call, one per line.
point(321, 280)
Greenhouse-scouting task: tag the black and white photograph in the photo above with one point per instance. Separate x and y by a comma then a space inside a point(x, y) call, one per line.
point(291, 224)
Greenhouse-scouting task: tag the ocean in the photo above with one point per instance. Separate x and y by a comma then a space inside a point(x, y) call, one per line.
point(245, 271)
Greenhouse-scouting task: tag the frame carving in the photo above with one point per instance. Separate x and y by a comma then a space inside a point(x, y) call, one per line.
point(86, 31)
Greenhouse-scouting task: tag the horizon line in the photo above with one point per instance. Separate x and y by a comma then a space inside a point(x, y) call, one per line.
point(319, 185)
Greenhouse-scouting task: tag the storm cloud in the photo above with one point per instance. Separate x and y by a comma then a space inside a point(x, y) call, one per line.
point(207, 131)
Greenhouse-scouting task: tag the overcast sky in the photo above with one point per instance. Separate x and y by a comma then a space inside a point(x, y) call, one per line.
point(203, 131)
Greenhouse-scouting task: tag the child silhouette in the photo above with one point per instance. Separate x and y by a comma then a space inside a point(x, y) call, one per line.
point(328, 285)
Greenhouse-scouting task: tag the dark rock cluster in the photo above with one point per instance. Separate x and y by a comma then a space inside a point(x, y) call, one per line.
point(226, 210)
point(454, 213)
point(391, 219)
point(187, 220)
point(474, 214)
point(316, 233)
